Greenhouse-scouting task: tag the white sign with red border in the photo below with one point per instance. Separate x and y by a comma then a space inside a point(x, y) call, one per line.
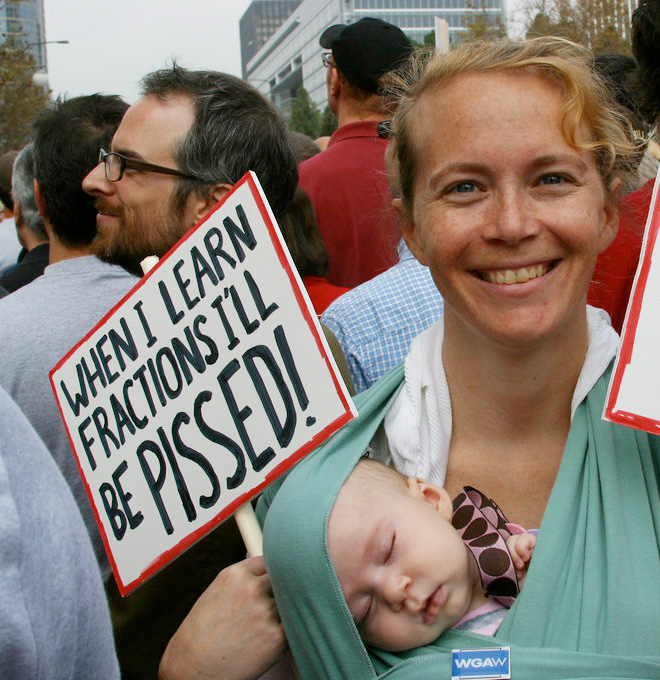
point(634, 392)
point(204, 384)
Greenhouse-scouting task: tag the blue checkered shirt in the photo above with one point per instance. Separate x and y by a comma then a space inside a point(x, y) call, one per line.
point(376, 321)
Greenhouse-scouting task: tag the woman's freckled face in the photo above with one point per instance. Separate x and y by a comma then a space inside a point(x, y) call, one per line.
point(509, 217)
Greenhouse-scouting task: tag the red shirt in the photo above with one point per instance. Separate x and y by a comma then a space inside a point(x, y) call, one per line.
point(321, 292)
point(615, 268)
point(347, 186)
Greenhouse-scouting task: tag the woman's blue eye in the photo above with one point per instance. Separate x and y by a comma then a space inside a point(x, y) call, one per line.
point(552, 179)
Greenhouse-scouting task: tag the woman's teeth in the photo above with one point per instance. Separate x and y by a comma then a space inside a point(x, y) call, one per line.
point(522, 275)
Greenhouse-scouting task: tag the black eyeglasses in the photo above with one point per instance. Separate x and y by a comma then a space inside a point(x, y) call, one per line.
point(115, 164)
point(326, 58)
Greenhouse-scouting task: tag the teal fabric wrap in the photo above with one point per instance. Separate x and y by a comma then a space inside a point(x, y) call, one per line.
point(590, 606)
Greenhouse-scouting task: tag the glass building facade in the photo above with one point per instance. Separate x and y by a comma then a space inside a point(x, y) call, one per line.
point(416, 18)
point(24, 21)
point(260, 21)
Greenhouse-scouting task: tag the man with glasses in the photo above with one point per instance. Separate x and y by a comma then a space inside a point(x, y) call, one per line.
point(178, 150)
point(347, 182)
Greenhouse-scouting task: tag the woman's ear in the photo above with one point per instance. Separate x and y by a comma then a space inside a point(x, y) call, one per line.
point(434, 495)
point(611, 216)
point(410, 233)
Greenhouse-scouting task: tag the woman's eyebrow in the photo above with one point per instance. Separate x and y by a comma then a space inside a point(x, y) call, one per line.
point(559, 159)
point(467, 167)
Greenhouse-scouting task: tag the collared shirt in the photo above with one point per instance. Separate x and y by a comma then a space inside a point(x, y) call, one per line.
point(347, 185)
point(376, 322)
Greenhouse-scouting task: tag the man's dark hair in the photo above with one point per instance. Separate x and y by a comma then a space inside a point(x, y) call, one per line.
point(6, 168)
point(616, 71)
point(645, 35)
point(235, 130)
point(67, 140)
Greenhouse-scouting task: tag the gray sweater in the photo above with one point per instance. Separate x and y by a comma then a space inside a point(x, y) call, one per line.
point(39, 324)
point(54, 620)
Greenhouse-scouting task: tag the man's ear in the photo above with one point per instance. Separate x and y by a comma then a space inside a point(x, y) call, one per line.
point(39, 199)
point(334, 81)
point(211, 197)
point(434, 495)
point(410, 233)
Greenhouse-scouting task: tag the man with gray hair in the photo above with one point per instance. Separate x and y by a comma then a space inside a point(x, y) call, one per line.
point(30, 226)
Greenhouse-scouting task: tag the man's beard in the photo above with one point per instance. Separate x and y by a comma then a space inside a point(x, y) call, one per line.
point(137, 234)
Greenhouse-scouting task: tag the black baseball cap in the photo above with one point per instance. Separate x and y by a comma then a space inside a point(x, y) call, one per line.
point(366, 50)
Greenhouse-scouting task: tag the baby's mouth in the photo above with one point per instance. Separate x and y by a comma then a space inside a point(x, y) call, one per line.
point(433, 605)
point(521, 275)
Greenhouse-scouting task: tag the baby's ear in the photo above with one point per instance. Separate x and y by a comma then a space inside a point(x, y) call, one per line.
point(434, 495)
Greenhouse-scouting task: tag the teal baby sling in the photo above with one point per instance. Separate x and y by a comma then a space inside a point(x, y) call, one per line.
point(590, 606)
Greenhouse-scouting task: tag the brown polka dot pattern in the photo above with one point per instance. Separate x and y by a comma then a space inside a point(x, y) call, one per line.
point(482, 526)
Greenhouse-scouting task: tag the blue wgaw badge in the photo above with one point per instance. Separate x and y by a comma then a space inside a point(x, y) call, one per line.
point(494, 664)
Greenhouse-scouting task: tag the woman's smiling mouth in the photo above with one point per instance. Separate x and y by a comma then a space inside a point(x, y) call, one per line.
point(511, 276)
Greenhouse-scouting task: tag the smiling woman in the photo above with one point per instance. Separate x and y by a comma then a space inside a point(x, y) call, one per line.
point(510, 157)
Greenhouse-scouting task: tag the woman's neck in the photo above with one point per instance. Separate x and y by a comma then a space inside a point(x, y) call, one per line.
point(511, 413)
point(492, 385)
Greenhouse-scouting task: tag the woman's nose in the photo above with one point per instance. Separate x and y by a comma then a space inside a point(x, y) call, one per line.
point(511, 220)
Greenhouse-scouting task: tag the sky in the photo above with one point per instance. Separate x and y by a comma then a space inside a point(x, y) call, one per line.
point(112, 44)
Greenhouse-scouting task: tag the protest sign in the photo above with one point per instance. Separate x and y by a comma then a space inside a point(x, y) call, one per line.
point(206, 382)
point(634, 392)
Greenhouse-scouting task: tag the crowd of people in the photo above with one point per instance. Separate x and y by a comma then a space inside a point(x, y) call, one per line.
point(468, 237)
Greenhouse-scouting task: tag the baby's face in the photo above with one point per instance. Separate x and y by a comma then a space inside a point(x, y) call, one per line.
point(403, 568)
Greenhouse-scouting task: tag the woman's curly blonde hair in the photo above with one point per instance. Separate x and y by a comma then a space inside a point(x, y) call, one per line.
point(587, 102)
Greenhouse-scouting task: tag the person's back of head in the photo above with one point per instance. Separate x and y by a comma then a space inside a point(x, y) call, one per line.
point(22, 186)
point(235, 130)
point(67, 140)
point(645, 37)
point(616, 71)
point(303, 145)
point(362, 53)
point(6, 167)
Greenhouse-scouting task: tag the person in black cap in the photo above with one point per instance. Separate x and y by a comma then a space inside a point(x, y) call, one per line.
point(347, 182)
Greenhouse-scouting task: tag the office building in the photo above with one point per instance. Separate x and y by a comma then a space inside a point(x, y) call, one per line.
point(24, 21)
point(291, 58)
point(261, 19)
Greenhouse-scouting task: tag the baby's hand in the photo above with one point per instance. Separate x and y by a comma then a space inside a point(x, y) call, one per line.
point(521, 547)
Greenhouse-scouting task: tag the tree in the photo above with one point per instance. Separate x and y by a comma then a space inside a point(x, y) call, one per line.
point(482, 23)
point(328, 123)
point(20, 99)
point(602, 26)
point(305, 116)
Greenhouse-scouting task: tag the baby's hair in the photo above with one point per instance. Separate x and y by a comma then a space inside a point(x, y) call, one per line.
point(368, 469)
